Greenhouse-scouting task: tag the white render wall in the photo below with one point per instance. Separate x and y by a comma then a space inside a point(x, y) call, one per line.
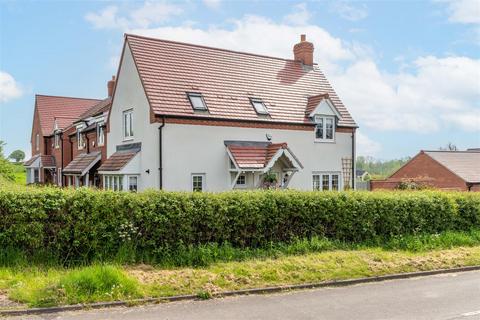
point(129, 94)
point(190, 149)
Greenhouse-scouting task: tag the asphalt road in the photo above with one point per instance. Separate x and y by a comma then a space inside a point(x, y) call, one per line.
point(449, 296)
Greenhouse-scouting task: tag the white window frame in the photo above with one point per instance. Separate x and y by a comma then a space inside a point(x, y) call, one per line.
point(37, 142)
point(127, 124)
point(323, 120)
point(259, 106)
point(201, 175)
point(318, 185)
point(36, 178)
point(80, 139)
point(56, 139)
point(113, 182)
point(191, 96)
point(241, 185)
point(100, 134)
point(129, 184)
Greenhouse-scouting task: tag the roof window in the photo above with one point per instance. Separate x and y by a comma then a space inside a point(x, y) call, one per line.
point(259, 106)
point(197, 101)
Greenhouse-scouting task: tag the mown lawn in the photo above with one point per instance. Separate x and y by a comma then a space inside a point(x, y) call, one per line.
point(48, 286)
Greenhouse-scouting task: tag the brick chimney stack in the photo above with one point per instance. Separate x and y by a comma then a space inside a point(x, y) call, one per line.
point(303, 51)
point(110, 86)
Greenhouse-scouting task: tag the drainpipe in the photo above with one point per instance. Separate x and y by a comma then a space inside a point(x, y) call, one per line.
point(353, 160)
point(61, 158)
point(160, 161)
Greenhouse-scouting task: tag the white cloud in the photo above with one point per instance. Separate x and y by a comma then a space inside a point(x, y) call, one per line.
point(260, 35)
point(366, 146)
point(418, 98)
point(410, 101)
point(300, 16)
point(348, 11)
point(150, 13)
point(9, 88)
point(464, 11)
point(213, 4)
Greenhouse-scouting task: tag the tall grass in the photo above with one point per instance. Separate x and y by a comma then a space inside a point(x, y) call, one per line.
point(207, 254)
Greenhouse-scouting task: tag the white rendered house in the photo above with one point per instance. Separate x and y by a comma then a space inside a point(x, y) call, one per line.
point(188, 117)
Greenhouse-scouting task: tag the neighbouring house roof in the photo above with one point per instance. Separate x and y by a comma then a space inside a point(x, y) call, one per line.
point(65, 109)
point(465, 164)
point(118, 160)
point(82, 163)
point(227, 79)
point(101, 107)
point(44, 161)
point(256, 155)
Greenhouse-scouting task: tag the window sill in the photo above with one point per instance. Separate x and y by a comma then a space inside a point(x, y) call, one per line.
point(127, 139)
point(324, 141)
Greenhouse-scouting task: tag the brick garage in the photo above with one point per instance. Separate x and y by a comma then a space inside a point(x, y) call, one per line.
point(447, 170)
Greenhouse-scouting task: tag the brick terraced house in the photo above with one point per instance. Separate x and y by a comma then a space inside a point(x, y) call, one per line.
point(448, 170)
point(189, 117)
point(68, 140)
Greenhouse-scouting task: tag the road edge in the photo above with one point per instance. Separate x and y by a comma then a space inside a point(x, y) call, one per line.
point(333, 283)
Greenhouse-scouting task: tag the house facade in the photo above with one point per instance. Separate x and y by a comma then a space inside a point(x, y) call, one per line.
point(447, 170)
point(68, 140)
point(187, 117)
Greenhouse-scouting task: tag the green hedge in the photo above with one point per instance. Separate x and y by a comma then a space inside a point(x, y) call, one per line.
point(85, 224)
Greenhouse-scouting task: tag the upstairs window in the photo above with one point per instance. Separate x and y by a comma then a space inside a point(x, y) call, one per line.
point(100, 134)
point(80, 143)
point(37, 142)
point(324, 128)
point(57, 140)
point(197, 101)
point(128, 124)
point(259, 106)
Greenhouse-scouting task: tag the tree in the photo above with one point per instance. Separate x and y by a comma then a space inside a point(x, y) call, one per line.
point(449, 147)
point(17, 155)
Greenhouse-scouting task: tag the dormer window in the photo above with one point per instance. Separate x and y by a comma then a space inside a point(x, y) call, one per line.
point(197, 101)
point(324, 128)
point(57, 140)
point(80, 143)
point(100, 134)
point(259, 106)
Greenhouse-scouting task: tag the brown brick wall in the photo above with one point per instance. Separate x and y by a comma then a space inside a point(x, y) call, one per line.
point(424, 169)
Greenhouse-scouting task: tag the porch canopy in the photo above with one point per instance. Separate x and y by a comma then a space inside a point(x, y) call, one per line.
point(40, 161)
point(82, 163)
point(259, 156)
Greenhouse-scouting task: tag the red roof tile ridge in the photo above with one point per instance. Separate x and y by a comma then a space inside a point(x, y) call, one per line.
point(53, 96)
point(127, 35)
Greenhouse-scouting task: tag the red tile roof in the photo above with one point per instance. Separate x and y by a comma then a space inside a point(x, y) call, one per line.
point(102, 106)
point(46, 161)
point(65, 109)
point(253, 155)
point(313, 102)
point(117, 161)
point(82, 162)
point(465, 164)
point(227, 79)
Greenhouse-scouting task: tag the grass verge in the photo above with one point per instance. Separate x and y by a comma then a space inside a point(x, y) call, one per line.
point(38, 287)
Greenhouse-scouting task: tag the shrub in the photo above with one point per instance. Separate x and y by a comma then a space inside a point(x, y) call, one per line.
point(78, 226)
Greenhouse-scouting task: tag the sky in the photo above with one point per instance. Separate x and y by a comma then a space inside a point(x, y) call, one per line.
point(408, 71)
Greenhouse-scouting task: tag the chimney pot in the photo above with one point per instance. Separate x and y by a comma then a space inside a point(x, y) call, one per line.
point(110, 86)
point(303, 51)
